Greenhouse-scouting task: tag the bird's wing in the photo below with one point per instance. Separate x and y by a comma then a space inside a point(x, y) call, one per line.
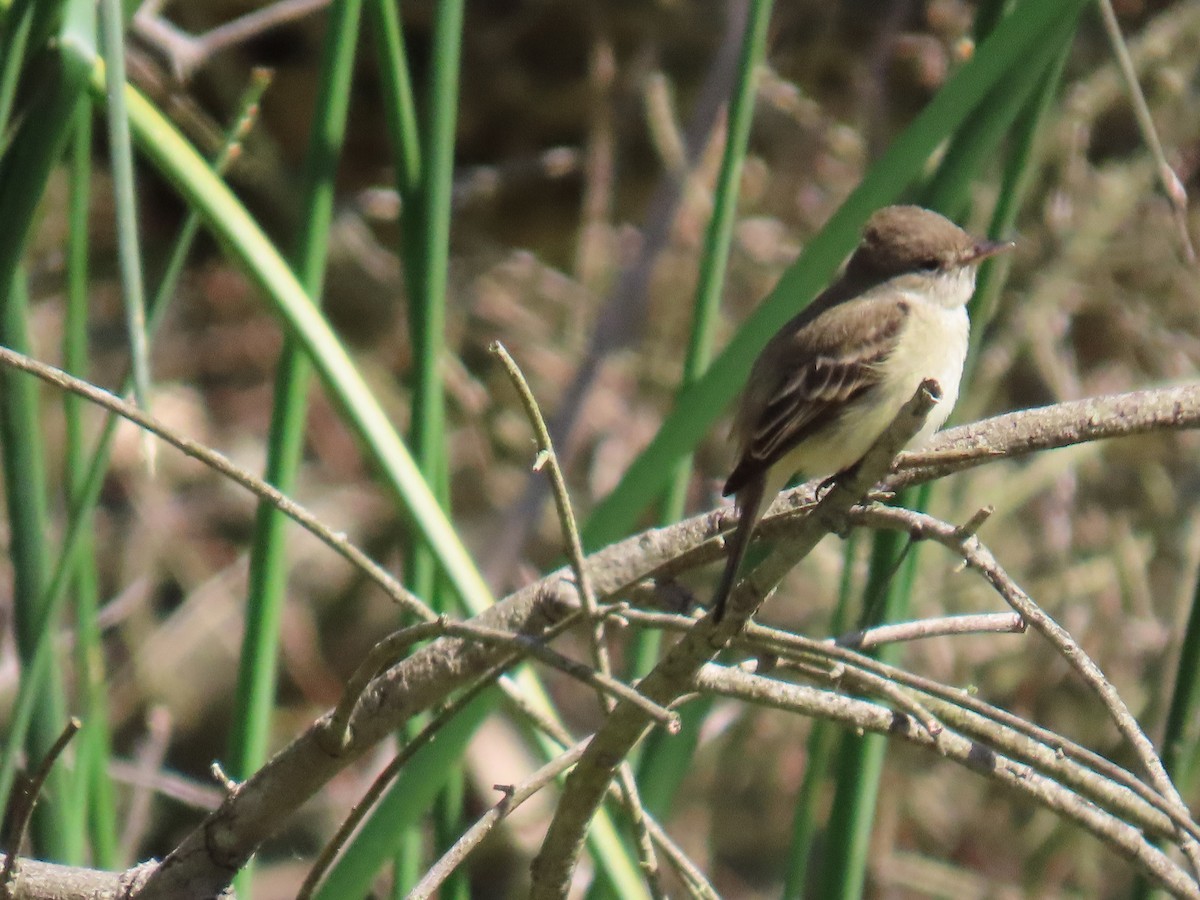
point(815, 379)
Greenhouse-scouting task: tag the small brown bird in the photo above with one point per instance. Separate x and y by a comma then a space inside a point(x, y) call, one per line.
point(831, 380)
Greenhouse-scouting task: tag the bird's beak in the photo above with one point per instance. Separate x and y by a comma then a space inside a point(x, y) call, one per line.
point(987, 249)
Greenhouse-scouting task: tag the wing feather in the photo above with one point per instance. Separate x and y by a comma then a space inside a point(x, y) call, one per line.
point(812, 369)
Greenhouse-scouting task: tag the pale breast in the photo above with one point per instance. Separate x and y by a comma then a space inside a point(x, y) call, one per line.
point(933, 345)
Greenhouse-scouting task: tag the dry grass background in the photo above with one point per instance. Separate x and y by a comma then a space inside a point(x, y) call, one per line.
point(1099, 300)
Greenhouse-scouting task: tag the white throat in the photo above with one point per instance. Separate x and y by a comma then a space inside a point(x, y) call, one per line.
point(951, 288)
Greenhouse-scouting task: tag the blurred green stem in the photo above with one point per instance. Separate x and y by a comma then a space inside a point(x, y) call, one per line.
point(120, 148)
point(25, 492)
point(268, 557)
point(95, 806)
point(426, 240)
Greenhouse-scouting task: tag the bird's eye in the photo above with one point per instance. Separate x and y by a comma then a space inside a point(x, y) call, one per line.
point(930, 264)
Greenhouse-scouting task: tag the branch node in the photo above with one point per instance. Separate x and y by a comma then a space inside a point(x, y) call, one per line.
point(228, 785)
point(971, 527)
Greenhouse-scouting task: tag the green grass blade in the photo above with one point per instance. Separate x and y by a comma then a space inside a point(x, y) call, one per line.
point(24, 170)
point(25, 166)
point(822, 748)
point(258, 669)
point(129, 258)
point(268, 566)
point(1181, 734)
point(1015, 182)
point(973, 146)
point(399, 107)
point(17, 24)
point(860, 758)
point(24, 29)
point(25, 493)
point(425, 232)
point(429, 254)
point(401, 119)
point(719, 234)
point(427, 248)
point(95, 807)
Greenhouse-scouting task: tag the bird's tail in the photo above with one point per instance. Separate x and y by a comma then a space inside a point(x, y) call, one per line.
point(750, 508)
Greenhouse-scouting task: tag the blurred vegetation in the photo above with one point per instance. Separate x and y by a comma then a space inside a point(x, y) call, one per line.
point(571, 121)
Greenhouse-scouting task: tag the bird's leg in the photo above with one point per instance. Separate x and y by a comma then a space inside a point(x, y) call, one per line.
point(827, 485)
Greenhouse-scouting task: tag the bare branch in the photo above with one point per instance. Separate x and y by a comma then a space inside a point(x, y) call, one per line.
point(206, 859)
point(329, 852)
point(987, 623)
point(978, 557)
point(1048, 428)
point(513, 797)
point(672, 677)
point(861, 715)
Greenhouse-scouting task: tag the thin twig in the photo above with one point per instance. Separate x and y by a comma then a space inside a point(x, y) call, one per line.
point(513, 797)
point(470, 839)
point(187, 53)
point(183, 790)
point(978, 557)
point(221, 464)
point(368, 800)
point(382, 656)
point(869, 683)
point(20, 808)
point(945, 626)
point(150, 756)
point(387, 652)
point(534, 647)
point(1172, 186)
point(689, 873)
point(866, 716)
point(597, 641)
point(548, 460)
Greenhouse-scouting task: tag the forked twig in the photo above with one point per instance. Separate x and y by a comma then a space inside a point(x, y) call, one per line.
point(548, 459)
point(20, 808)
point(978, 557)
